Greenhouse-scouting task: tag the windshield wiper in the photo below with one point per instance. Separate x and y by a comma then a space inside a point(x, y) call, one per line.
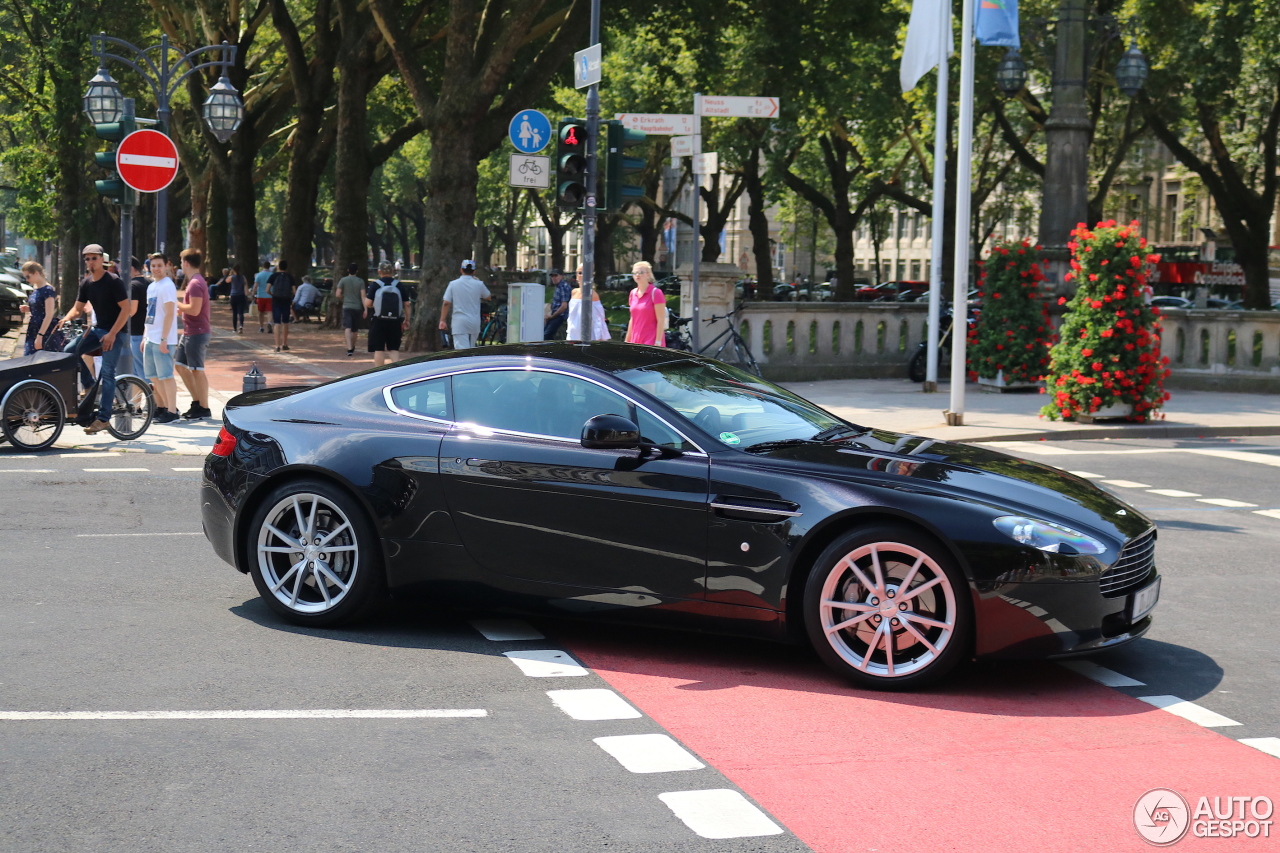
point(832, 432)
point(782, 442)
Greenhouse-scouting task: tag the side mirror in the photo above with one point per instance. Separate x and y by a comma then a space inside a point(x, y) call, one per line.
point(610, 432)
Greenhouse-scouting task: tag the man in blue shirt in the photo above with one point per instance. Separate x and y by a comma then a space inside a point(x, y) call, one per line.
point(262, 296)
point(559, 305)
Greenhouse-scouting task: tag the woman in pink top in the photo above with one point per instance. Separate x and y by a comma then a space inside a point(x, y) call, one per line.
point(648, 309)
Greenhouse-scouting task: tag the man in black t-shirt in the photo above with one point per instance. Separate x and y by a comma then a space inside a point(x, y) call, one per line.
point(131, 358)
point(110, 300)
point(388, 316)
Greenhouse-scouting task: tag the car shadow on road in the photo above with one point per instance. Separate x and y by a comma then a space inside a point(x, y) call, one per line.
point(1165, 668)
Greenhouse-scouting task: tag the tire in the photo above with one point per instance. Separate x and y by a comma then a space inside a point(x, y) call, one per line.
point(918, 367)
point(132, 409)
point(318, 586)
point(32, 416)
point(919, 627)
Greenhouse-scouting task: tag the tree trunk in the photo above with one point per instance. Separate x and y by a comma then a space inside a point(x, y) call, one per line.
point(242, 202)
point(216, 227)
point(758, 223)
point(717, 214)
point(352, 172)
point(197, 225)
point(71, 187)
point(179, 201)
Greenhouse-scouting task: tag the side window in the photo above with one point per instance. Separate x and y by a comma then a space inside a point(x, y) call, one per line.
point(429, 398)
point(533, 402)
point(659, 433)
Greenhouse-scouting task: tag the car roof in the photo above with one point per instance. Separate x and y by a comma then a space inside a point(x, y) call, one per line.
point(608, 356)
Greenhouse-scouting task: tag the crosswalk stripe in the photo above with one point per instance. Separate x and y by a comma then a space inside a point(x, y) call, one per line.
point(1197, 714)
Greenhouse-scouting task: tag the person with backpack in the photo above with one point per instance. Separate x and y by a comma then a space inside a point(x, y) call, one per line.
point(463, 297)
point(387, 301)
point(281, 284)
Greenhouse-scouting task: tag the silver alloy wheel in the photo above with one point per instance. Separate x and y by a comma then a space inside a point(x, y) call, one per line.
point(888, 609)
point(307, 553)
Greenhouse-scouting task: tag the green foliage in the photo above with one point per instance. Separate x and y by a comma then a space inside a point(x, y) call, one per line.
point(1013, 333)
point(1109, 347)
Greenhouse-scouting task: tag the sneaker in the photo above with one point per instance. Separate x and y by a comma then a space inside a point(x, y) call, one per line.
point(96, 427)
point(261, 330)
point(277, 349)
point(285, 347)
point(164, 416)
point(195, 413)
point(268, 328)
point(350, 353)
point(194, 407)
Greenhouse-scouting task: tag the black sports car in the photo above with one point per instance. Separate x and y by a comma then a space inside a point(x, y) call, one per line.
point(643, 484)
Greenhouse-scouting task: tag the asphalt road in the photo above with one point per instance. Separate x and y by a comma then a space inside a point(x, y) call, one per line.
point(116, 603)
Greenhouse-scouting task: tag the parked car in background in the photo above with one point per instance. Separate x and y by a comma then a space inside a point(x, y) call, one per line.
point(1172, 302)
point(11, 297)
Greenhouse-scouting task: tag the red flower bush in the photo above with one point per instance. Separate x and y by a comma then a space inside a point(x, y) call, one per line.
point(1109, 351)
point(1013, 333)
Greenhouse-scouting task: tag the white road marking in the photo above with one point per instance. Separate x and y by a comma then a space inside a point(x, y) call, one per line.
point(340, 713)
point(1088, 475)
point(719, 813)
point(112, 470)
point(1241, 456)
point(8, 456)
point(115, 535)
point(27, 471)
point(1174, 493)
point(188, 469)
point(593, 704)
point(1189, 711)
point(546, 663)
point(1224, 502)
point(1269, 513)
point(1127, 484)
point(1269, 745)
point(83, 455)
point(649, 753)
point(505, 630)
point(1100, 674)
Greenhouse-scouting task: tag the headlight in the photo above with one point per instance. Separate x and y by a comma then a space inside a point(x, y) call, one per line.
point(1053, 538)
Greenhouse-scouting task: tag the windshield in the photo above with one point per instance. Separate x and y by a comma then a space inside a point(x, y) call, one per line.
point(739, 409)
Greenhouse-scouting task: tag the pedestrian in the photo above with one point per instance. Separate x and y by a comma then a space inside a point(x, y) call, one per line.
point(559, 305)
point(307, 300)
point(262, 296)
point(160, 331)
point(239, 299)
point(463, 297)
point(351, 290)
point(599, 322)
point(109, 298)
point(193, 346)
point(387, 301)
point(137, 318)
point(42, 305)
point(648, 306)
point(282, 285)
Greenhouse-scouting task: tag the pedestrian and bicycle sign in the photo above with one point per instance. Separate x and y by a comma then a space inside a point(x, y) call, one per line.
point(530, 171)
point(529, 131)
point(147, 160)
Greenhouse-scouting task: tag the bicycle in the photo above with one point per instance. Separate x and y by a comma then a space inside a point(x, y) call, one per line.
point(132, 407)
point(495, 328)
point(679, 338)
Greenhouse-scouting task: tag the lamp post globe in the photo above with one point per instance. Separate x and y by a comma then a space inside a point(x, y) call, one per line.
point(1011, 73)
point(223, 110)
point(103, 102)
point(1132, 71)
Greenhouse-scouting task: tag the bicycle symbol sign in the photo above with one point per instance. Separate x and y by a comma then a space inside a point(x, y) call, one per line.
point(530, 171)
point(529, 131)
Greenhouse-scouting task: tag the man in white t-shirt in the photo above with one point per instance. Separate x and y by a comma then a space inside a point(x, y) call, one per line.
point(463, 297)
point(161, 338)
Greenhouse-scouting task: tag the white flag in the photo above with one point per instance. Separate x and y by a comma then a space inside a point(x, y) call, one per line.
point(930, 27)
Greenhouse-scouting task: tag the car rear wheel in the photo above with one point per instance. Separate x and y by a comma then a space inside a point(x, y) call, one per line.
point(313, 555)
point(887, 607)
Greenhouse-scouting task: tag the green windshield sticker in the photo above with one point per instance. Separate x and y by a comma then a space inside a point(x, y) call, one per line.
point(730, 438)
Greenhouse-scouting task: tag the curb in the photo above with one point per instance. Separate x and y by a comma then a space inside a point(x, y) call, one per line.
point(1135, 431)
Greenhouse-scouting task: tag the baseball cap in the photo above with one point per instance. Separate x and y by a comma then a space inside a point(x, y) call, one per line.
point(468, 265)
point(556, 271)
point(93, 249)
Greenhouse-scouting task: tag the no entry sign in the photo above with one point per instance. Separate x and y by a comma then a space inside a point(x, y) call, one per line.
point(147, 160)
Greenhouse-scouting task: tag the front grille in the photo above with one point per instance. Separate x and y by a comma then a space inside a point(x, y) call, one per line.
point(1137, 558)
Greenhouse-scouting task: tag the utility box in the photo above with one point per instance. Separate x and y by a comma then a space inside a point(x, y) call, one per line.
point(525, 312)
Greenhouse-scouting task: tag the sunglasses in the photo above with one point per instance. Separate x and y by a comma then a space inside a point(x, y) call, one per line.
point(91, 257)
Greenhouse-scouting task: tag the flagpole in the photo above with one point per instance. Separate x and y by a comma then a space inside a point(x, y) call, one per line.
point(939, 205)
point(964, 179)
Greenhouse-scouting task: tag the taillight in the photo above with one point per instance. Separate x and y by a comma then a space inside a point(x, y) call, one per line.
point(225, 444)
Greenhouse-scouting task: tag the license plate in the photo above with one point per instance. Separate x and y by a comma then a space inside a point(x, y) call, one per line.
point(1143, 600)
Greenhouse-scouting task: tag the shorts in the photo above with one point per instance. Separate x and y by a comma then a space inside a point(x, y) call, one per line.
point(280, 309)
point(384, 335)
point(191, 351)
point(351, 318)
point(156, 364)
point(264, 304)
point(463, 341)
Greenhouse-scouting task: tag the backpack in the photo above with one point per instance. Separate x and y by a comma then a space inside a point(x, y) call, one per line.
point(387, 302)
point(281, 286)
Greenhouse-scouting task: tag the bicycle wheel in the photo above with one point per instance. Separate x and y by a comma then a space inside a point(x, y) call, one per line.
point(31, 415)
point(132, 410)
point(745, 359)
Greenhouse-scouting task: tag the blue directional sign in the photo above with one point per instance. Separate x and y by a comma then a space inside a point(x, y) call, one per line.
point(530, 131)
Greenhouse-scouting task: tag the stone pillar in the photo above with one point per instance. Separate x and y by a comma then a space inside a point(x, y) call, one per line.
point(715, 285)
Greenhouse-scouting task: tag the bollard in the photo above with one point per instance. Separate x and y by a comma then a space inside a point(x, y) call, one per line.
point(254, 380)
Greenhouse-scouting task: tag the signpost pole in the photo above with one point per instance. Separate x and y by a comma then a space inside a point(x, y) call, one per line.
point(964, 190)
point(696, 240)
point(589, 214)
point(126, 212)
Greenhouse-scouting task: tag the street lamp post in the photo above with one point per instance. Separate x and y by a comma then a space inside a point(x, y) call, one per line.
point(162, 66)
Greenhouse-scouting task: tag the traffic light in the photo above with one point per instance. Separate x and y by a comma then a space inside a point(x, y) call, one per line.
point(114, 188)
point(571, 164)
point(619, 167)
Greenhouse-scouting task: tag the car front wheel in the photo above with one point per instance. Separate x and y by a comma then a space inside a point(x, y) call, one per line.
point(886, 607)
point(313, 555)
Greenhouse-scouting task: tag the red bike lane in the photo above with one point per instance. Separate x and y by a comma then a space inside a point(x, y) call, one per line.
point(1005, 757)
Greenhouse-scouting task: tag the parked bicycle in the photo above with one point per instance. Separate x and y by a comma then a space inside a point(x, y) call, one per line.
point(494, 330)
point(917, 367)
point(733, 347)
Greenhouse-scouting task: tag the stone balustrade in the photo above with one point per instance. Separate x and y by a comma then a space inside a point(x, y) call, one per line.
point(1227, 350)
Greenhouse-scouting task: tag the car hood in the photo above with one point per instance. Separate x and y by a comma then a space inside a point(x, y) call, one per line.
point(942, 467)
